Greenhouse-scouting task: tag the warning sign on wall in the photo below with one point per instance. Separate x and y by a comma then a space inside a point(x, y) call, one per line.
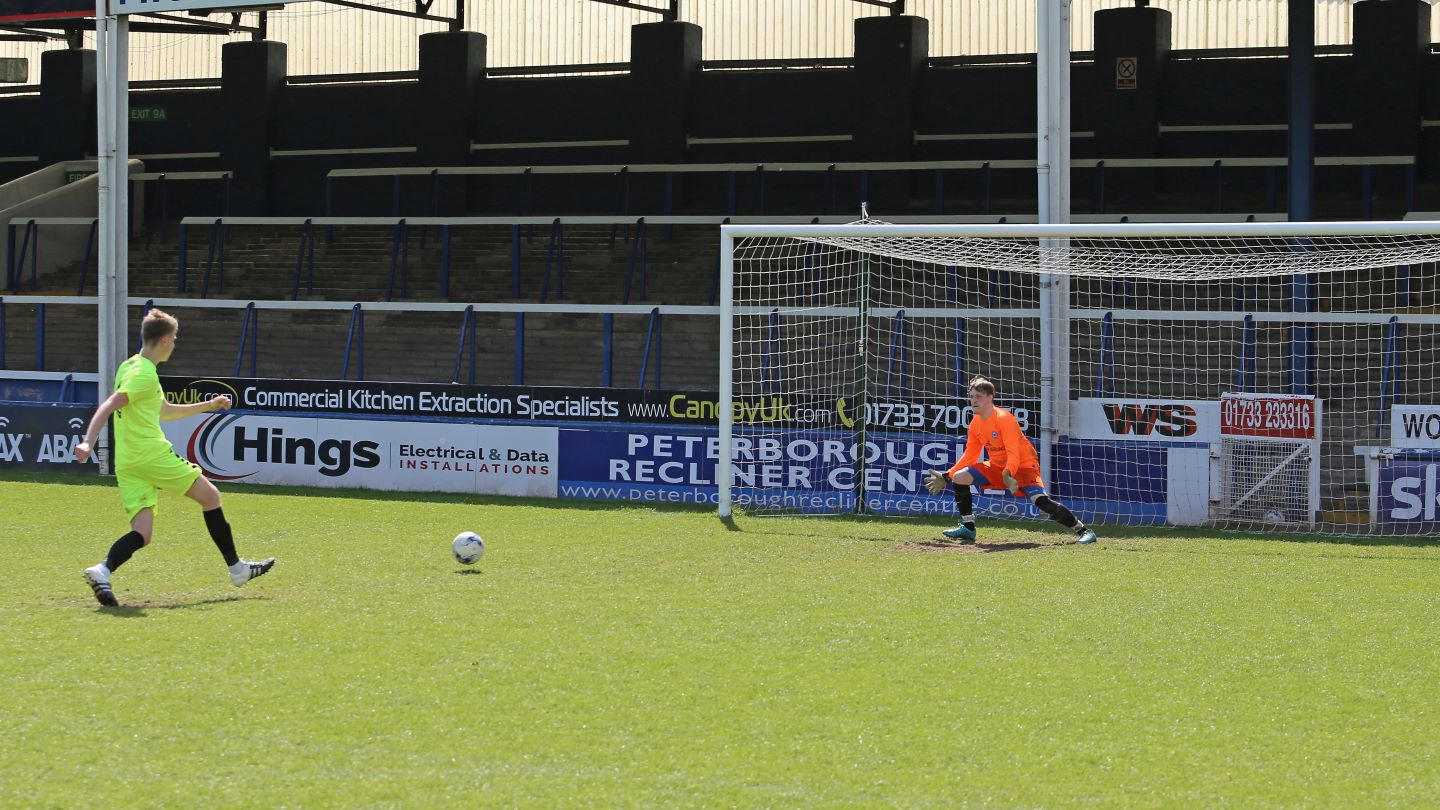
point(1125, 72)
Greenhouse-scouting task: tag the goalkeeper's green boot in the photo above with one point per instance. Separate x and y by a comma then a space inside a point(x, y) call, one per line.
point(963, 533)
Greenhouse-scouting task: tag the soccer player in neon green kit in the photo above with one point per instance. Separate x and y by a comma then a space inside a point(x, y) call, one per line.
point(145, 461)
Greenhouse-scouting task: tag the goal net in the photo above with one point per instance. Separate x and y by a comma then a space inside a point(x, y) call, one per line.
point(1162, 371)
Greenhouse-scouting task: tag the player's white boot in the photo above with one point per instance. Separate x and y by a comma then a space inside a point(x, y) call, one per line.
point(97, 577)
point(1086, 537)
point(244, 570)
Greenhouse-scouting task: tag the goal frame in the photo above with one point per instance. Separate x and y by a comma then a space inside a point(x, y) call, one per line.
point(1054, 386)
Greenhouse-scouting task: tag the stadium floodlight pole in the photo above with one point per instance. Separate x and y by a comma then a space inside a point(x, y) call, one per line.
point(120, 193)
point(725, 410)
point(112, 170)
point(1052, 76)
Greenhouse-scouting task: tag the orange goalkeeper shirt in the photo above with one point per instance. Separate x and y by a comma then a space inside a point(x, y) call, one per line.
point(1001, 437)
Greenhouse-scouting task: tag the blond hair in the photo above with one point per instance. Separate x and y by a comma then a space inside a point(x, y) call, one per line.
point(157, 325)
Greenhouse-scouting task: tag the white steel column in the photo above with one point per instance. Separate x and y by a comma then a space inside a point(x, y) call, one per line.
point(120, 192)
point(105, 159)
point(113, 152)
point(1052, 79)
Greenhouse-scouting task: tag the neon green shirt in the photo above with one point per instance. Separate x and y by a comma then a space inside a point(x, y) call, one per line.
point(138, 437)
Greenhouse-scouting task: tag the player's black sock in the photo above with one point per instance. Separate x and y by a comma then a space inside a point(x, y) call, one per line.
point(220, 533)
point(1059, 513)
point(127, 545)
point(964, 506)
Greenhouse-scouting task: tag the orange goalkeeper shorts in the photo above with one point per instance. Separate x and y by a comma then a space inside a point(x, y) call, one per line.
point(988, 476)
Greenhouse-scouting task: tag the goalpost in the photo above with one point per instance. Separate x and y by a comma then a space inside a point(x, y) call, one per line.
point(1216, 374)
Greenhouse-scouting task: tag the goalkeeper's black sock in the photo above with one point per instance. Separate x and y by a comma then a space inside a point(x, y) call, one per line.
point(127, 545)
point(1059, 513)
point(964, 506)
point(220, 533)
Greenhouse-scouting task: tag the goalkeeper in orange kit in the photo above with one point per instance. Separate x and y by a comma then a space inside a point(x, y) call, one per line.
point(1012, 463)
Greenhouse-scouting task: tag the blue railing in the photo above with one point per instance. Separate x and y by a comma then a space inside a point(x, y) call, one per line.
point(639, 260)
point(139, 336)
point(27, 250)
point(1390, 371)
point(607, 375)
point(355, 338)
point(770, 356)
point(519, 348)
point(467, 329)
point(1245, 374)
point(1105, 374)
point(305, 259)
point(652, 338)
point(249, 331)
point(40, 337)
point(163, 180)
point(897, 382)
point(89, 247)
point(554, 261)
point(15, 263)
point(214, 258)
point(399, 261)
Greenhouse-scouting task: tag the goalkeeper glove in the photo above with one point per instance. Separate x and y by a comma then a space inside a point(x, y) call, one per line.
point(936, 482)
point(1010, 483)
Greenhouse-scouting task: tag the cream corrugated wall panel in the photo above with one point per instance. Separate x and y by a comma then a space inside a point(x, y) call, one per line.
point(330, 39)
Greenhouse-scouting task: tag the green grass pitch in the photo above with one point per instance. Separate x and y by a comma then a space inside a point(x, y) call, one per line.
point(610, 656)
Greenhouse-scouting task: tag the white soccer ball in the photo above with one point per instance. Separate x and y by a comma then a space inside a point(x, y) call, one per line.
point(1274, 516)
point(468, 548)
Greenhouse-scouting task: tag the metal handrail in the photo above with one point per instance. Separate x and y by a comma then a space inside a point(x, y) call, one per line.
point(467, 326)
point(303, 257)
point(899, 346)
point(16, 268)
point(554, 259)
point(399, 260)
point(217, 249)
point(519, 348)
point(1105, 374)
point(445, 262)
point(251, 318)
point(40, 337)
point(357, 328)
point(771, 345)
point(639, 258)
point(1245, 379)
point(960, 382)
point(607, 373)
point(653, 334)
point(1390, 370)
point(89, 248)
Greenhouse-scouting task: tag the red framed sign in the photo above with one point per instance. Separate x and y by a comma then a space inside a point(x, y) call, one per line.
point(1273, 416)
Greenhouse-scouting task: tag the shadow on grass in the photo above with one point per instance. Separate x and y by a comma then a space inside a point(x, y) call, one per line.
point(848, 526)
point(944, 546)
point(469, 572)
point(136, 608)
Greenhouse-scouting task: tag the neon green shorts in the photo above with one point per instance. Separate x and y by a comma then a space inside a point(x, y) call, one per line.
point(140, 482)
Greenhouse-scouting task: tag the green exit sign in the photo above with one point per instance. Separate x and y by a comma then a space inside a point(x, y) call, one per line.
point(150, 114)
